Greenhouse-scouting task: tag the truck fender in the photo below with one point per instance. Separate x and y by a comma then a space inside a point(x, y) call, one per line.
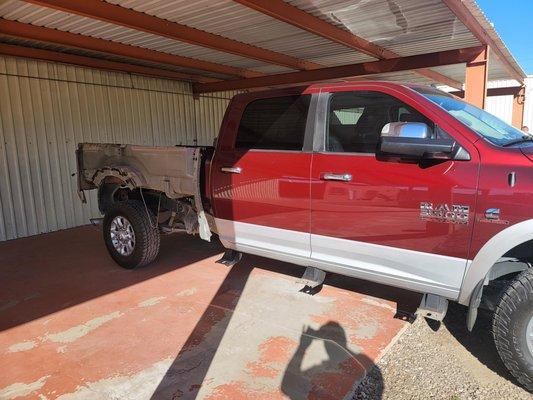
point(480, 270)
point(130, 177)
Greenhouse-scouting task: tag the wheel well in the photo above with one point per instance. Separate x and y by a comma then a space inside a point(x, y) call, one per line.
point(514, 261)
point(112, 190)
point(523, 251)
point(487, 292)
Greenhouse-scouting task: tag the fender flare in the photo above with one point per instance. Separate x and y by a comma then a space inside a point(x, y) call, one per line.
point(490, 253)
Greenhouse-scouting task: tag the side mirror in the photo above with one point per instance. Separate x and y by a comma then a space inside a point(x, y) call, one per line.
point(413, 140)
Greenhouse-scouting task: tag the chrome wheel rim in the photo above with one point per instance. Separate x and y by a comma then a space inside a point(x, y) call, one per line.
point(529, 336)
point(122, 235)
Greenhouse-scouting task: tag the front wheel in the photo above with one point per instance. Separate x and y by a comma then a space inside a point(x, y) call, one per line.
point(513, 328)
point(131, 234)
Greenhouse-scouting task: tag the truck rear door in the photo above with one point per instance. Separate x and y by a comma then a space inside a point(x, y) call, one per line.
point(260, 177)
point(375, 218)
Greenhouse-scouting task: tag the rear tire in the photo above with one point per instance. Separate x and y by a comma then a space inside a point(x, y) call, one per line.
point(131, 234)
point(513, 328)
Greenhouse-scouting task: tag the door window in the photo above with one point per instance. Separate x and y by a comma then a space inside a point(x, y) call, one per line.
point(355, 120)
point(276, 123)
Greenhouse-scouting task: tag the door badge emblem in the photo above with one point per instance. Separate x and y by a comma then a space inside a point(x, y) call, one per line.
point(492, 216)
point(451, 214)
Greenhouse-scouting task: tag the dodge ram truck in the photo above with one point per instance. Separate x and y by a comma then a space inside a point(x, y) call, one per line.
point(400, 184)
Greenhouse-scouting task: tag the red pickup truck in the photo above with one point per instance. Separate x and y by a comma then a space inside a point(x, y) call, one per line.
point(400, 184)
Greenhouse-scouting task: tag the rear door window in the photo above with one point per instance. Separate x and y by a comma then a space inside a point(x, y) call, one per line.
point(276, 123)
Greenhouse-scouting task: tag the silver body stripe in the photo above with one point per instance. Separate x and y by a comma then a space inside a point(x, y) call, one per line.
point(413, 270)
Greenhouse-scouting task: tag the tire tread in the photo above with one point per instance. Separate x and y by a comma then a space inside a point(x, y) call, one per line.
point(519, 291)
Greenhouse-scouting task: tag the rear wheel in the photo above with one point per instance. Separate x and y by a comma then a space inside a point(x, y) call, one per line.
point(513, 328)
point(131, 234)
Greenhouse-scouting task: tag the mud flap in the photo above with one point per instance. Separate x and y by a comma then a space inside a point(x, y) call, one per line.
point(475, 300)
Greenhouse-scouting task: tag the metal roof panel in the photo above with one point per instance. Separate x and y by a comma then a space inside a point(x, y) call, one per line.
point(407, 27)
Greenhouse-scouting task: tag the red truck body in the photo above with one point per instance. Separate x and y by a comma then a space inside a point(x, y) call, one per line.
point(381, 205)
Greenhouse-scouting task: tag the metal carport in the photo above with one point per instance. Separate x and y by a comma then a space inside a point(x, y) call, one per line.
point(94, 84)
point(161, 72)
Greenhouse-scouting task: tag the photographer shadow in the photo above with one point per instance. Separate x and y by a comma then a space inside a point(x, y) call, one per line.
point(338, 373)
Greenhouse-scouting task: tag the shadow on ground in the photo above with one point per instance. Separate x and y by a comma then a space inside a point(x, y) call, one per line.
point(297, 378)
point(45, 274)
point(343, 368)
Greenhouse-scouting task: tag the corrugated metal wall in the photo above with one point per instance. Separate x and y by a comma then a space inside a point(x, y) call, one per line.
point(47, 108)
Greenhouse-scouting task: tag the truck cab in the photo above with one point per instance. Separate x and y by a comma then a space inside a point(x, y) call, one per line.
point(300, 175)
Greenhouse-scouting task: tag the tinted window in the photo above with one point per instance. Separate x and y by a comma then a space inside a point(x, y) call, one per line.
point(356, 119)
point(274, 123)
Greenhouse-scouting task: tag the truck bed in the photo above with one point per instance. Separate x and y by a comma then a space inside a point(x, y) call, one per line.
point(171, 170)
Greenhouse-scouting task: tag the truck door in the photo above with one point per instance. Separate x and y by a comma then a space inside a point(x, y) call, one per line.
point(375, 218)
point(260, 177)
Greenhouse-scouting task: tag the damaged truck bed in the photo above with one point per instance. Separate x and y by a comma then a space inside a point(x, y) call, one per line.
point(174, 171)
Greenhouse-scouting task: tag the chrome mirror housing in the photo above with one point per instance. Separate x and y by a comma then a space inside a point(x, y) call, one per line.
point(415, 130)
point(414, 140)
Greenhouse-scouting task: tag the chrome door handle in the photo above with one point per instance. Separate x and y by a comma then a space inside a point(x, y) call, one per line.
point(231, 170)
point(337, 177)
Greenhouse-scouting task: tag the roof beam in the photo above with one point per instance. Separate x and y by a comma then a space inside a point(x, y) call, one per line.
point(503, 91)
point(368, 68)
point(282, 11)
point(469, 20)
point(438, 77)
point(48, 55)
point(33, 32)
point(118, 15)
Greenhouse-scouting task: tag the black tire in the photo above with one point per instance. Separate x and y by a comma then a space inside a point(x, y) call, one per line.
point(513, 314)
point(147, 240)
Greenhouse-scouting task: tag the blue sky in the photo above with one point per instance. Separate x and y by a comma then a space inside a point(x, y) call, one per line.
point(513, 20)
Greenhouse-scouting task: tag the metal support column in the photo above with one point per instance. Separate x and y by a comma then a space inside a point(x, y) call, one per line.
point(476, 79)
point(518, 108)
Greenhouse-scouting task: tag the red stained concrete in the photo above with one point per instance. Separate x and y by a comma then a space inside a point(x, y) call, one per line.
point(73, 323)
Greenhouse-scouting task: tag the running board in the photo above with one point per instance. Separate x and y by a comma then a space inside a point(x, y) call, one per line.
point(230, 258)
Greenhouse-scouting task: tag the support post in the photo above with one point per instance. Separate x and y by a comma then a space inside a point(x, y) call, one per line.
point(476, 79)
point(518, 108)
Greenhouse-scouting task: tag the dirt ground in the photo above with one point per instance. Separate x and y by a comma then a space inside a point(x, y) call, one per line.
point(450, 363)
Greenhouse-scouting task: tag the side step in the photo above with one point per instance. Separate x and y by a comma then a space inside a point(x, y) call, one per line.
point(312, 279)
point(230, 258)
point(433, 307)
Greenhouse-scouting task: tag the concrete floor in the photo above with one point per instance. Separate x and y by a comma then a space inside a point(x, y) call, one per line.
point(73, 325)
